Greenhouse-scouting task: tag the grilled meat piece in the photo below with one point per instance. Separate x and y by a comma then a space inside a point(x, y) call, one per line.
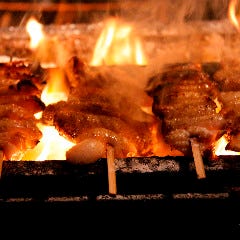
point(97, 109)
point(20, 90)
point(77, 125)
point(20, 77)
point(22, 134)
point(227, 77)
point(233, 142)
point(31, 103)
point(185, 100)
point(17, 112)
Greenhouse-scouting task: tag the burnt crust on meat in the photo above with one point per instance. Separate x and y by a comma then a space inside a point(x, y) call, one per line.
point(96, 107)
point(184, 99)
point(227, 77)
point(20, 91)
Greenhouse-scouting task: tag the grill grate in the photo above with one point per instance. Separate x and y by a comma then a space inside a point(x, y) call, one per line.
point(148, 188)
point(137, 179)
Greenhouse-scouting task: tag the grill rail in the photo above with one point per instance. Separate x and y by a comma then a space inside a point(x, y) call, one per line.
point(137, 179)
point(152, 191)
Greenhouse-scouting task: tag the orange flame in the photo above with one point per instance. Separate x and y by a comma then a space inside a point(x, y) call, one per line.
point(56, 89)
point(159, 146)
point(232, 14)
point(220, 147)
point(118, 45)
point(52, 146)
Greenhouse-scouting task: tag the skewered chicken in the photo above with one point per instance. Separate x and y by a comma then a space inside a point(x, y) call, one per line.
point(227, 77)
point(19, 101)
point(98, 111)
point(187, 103)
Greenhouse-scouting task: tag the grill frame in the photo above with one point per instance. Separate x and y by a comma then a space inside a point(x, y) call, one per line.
point(141, 178)
point(62, 191)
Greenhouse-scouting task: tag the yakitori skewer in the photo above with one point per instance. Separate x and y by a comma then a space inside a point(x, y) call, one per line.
point(112, 185)
point(198, 161)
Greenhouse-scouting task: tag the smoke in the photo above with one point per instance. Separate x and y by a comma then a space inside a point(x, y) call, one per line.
point(179, 42)
point(164, 11)
point(176, 11)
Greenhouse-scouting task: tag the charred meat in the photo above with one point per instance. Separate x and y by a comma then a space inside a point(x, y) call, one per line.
point(19, 101)
point(97, 110)
point(189, 105)
point(227, 77)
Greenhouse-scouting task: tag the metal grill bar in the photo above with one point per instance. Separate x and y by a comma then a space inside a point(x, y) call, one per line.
point(169, 177)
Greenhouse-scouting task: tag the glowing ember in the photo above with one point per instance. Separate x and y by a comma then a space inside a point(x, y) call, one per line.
point(232, 13)
point(220, 146)
point(34, 29)
point(118, 45)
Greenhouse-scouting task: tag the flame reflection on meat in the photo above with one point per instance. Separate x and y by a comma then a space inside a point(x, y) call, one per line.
point(116, 45)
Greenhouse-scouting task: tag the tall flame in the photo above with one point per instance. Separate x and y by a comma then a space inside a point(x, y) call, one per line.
point(35, 31)
point(56, 89)
point(51, 145)
point(118, 45)
point(232, 13)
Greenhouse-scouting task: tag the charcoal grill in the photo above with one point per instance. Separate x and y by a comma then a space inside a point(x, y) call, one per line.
point(156, 193)
point(152, 186)
point(149, 182)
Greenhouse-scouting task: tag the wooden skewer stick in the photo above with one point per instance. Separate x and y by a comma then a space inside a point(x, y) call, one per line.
point(198, 161)
point(112, 186)
point(1, 162)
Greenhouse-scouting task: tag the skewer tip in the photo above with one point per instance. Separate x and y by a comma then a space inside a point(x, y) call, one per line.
point(112, 185)
point(198, 161)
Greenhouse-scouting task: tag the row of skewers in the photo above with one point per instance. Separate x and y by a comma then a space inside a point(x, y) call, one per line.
point(103, 120)
point(97, 117)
